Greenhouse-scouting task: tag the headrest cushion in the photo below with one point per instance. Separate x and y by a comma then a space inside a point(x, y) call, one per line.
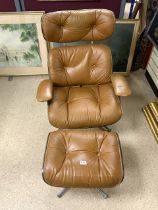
point(76, 25)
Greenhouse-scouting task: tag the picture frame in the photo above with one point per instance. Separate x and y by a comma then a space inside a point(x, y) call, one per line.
point(23, 50)
point(122, 44)
point(66, 0)
point(152, 32)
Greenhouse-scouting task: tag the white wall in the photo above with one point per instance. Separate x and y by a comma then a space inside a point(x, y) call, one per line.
point(152, 66)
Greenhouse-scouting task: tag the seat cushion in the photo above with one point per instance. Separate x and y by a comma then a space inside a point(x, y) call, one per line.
point(82, 158)
point(86, 106)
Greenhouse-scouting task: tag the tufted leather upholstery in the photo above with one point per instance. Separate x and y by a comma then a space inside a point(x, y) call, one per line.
point(81, 91)
point(75, 25)
point(86, 106)
point(80, 65)
point(98, 150)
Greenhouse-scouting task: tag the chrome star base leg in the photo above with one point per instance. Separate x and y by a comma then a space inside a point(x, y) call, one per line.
point(62, 192)
point(10, 78)
point(105, 128)
point(104, 194)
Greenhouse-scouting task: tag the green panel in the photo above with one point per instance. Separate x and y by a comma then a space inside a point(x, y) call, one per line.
point(120, 44)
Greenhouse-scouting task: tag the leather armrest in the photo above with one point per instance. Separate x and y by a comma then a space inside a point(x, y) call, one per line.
point(120, 85)
point(45, 91)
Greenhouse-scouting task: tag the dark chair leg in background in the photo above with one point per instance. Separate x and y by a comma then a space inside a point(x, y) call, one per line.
point(10, 78)
point(62, 192)
point(105, 128)
point(104, 194)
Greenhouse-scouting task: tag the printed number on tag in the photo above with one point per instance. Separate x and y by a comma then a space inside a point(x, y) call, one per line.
point(83, 162)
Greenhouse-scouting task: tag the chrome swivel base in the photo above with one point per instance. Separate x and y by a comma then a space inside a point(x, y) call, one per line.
point(64, 190)
point(105, 128)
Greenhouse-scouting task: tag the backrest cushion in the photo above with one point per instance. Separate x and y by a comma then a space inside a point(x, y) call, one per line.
point(76, 25)
point(80, 65)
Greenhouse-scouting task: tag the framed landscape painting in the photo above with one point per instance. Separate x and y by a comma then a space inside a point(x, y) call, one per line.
point(23, 50)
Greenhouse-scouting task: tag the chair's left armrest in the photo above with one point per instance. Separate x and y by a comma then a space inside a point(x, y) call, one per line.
point(45, 91)
point(120, 85)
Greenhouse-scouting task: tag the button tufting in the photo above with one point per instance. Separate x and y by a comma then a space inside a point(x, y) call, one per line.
point(71, 19)
point(70, 168)
point(66, 152)
point(65, 69)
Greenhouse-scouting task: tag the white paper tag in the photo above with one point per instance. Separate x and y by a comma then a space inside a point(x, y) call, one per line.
point(83, 162)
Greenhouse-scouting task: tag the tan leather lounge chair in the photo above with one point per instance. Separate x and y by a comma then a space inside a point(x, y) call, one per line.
point(81, 92)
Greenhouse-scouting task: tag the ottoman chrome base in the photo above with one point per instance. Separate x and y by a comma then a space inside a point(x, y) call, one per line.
point(64, 190)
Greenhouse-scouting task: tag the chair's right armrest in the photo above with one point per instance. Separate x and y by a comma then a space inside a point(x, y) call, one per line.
point(120, 85)
point(45, 91)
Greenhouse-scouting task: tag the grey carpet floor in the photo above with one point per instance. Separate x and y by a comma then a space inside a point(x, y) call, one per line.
point(23, 133)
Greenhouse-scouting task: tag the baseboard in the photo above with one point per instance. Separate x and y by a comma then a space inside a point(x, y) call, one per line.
point(152, 84)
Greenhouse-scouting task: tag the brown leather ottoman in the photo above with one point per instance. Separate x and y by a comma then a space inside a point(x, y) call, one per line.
point(83, 158)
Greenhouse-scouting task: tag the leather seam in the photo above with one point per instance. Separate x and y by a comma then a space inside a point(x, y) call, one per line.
point(102, 141)
point(61, 133)
point(88, 116)
point(99, 170)
point(67, 18)
point(83, 37)
point(60, 167)
point(99, 101)
point(64, 157)
point(68, 78)
point(61, 38)
point(62, 32)
point(68, 106)
point(107, 167)
point(72, 168)
point(63, 67)
point(98, 151)
point(121, 157)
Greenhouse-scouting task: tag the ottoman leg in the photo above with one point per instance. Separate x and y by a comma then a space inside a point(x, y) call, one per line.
point(62, 192)
point(104, 194)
